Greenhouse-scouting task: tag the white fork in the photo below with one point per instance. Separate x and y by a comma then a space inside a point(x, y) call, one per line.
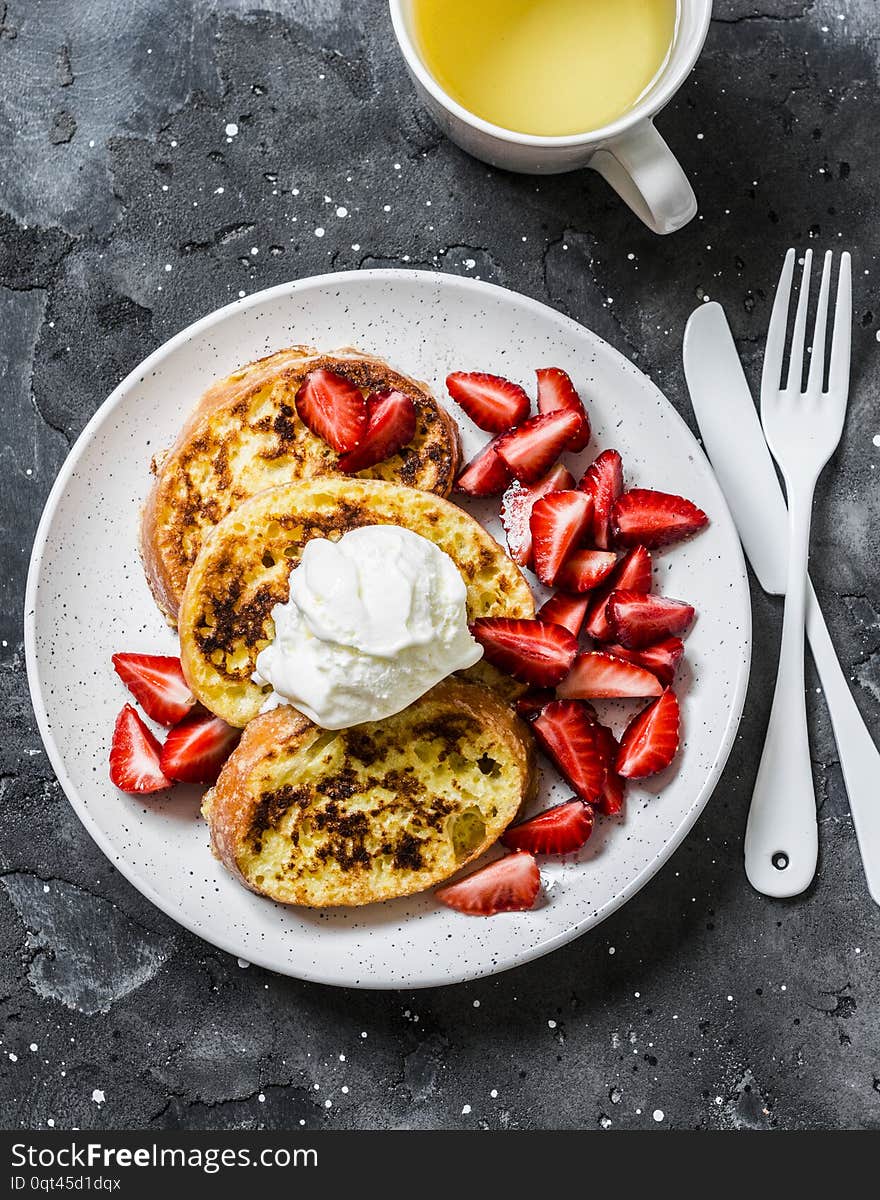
point(802, 428)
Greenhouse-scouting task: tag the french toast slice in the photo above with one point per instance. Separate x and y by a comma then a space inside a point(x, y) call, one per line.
point(311, 817)
point(243, 571)
point(245, 436)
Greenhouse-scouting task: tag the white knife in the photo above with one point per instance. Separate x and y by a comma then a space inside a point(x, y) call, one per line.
point(734, 441)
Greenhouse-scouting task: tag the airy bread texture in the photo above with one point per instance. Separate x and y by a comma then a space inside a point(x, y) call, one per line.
point(243, 571)
point(245, 436)
point(307, 816)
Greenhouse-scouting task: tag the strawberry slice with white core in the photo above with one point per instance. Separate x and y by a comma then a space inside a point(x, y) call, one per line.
point(614, 790)
point(485, 475)
point(604, 482)
point(493, 403)
point(391, 425)
point(516, 509)
point(600, 676)
point(565, 610)
point(156, 681)
point(556, 391)
point(509, 885)
point(654, 518)
point(134, 756)
point(633, 573)
point(558, 524)
point(662, 658)
point(650, 741)
point(585, 569)
point(638, 620)
point(569, 732)
point(333, 408)
point(529, 650)
point(534, 447)
point(196, 749)
point(559, 830)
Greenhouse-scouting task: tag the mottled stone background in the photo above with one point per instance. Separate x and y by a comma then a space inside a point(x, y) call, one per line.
point(126, 211)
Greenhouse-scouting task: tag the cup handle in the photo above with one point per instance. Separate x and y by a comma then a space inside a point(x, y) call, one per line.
point(647, 176)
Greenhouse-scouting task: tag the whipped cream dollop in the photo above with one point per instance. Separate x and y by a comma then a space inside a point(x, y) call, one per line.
point(373, 622)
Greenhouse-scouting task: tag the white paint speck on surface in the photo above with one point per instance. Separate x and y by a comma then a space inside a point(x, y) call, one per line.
point(494, 1093)
point(658, 1114)
point(341, 211)
point(476, 1004)
point(319, 232)
point(465, 1110)
point(98, 1096)
point(551, 1024)
point(328, 1103)
point(231, 129)
point(33, 1047)
point(262, 1098)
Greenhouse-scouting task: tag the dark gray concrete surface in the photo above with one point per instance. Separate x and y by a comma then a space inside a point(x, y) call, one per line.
point(700, 1004)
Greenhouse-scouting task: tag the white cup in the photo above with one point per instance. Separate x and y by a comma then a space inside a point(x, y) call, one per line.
point(629, 153)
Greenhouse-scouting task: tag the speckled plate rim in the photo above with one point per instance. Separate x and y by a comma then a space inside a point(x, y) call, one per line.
point(720, 515)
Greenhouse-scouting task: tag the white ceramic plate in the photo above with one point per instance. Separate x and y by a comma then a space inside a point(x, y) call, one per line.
point(87, 598)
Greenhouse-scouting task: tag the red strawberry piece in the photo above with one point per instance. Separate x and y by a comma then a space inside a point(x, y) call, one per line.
point(569, 732)
point(493, 403)
point(604, 482)
point(633, 574)
point(662, 658)
point(510, 884)
point(533, 701)
point(516, 509)
point(650, 741)
point(485, 475)
point(528, 650)
point(558, 524)
point(134, 755)
point(600, 676)
point(391, 425)
point(654, 518)
point(555, 391)
point(197, 748)
point(614, 791)
point(333, 408)
point(559, 830)
point(565, 610)
point(638, 620)
point(585, 569)
point(534, 447)
point(156, 681)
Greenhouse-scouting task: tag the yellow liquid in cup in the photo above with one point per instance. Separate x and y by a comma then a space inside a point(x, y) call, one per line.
point(549, 67)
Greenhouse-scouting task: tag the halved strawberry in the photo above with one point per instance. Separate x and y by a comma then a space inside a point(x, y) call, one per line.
point(485, 475)
point(650, 741)
point(493, 403)
point(614, 790)
point(134, 755)
point(638, 620)
point(585, 569)
point(559, 830)
point(555, 391)
point(516, 509)
point(510, 884)
point(633, 574)
point(534, 447)
point(662, 658)
point(526, 649)
point(604, 482)
point(197, 748)
point(558, 524)
point(565, 610)
point(598, 676)
point(391, 425)
point(333, 408)
point(569, 732)
point(156, 681)
point(654, 518)
point(529, 705)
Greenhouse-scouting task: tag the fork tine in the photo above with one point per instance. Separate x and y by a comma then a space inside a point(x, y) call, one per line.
point(796, 355)
point(771, 374)
point(838, 374)
point(817, 360)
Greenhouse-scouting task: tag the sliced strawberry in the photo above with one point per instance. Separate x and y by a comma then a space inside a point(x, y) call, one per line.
point(604, 482)
point(485, 475)
point(558, 524)
point(569, 732)
point(528, 650)
point(333, 408)
point(516, 509)
point(559, 830)
point(600, 676)
point(638, 620)
point(633, 574)
point(534, 447)
point(565, 610)
point(493, 403)
point(156, 681)
point(197, 748)
point(614, 791)
point(585, 569)
point(654, 518)
point(555, 391)
point(662, 658)
point(391, 425)
point(509, 885)
point(134, 755)
point(650, 741)
point(529, 705)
